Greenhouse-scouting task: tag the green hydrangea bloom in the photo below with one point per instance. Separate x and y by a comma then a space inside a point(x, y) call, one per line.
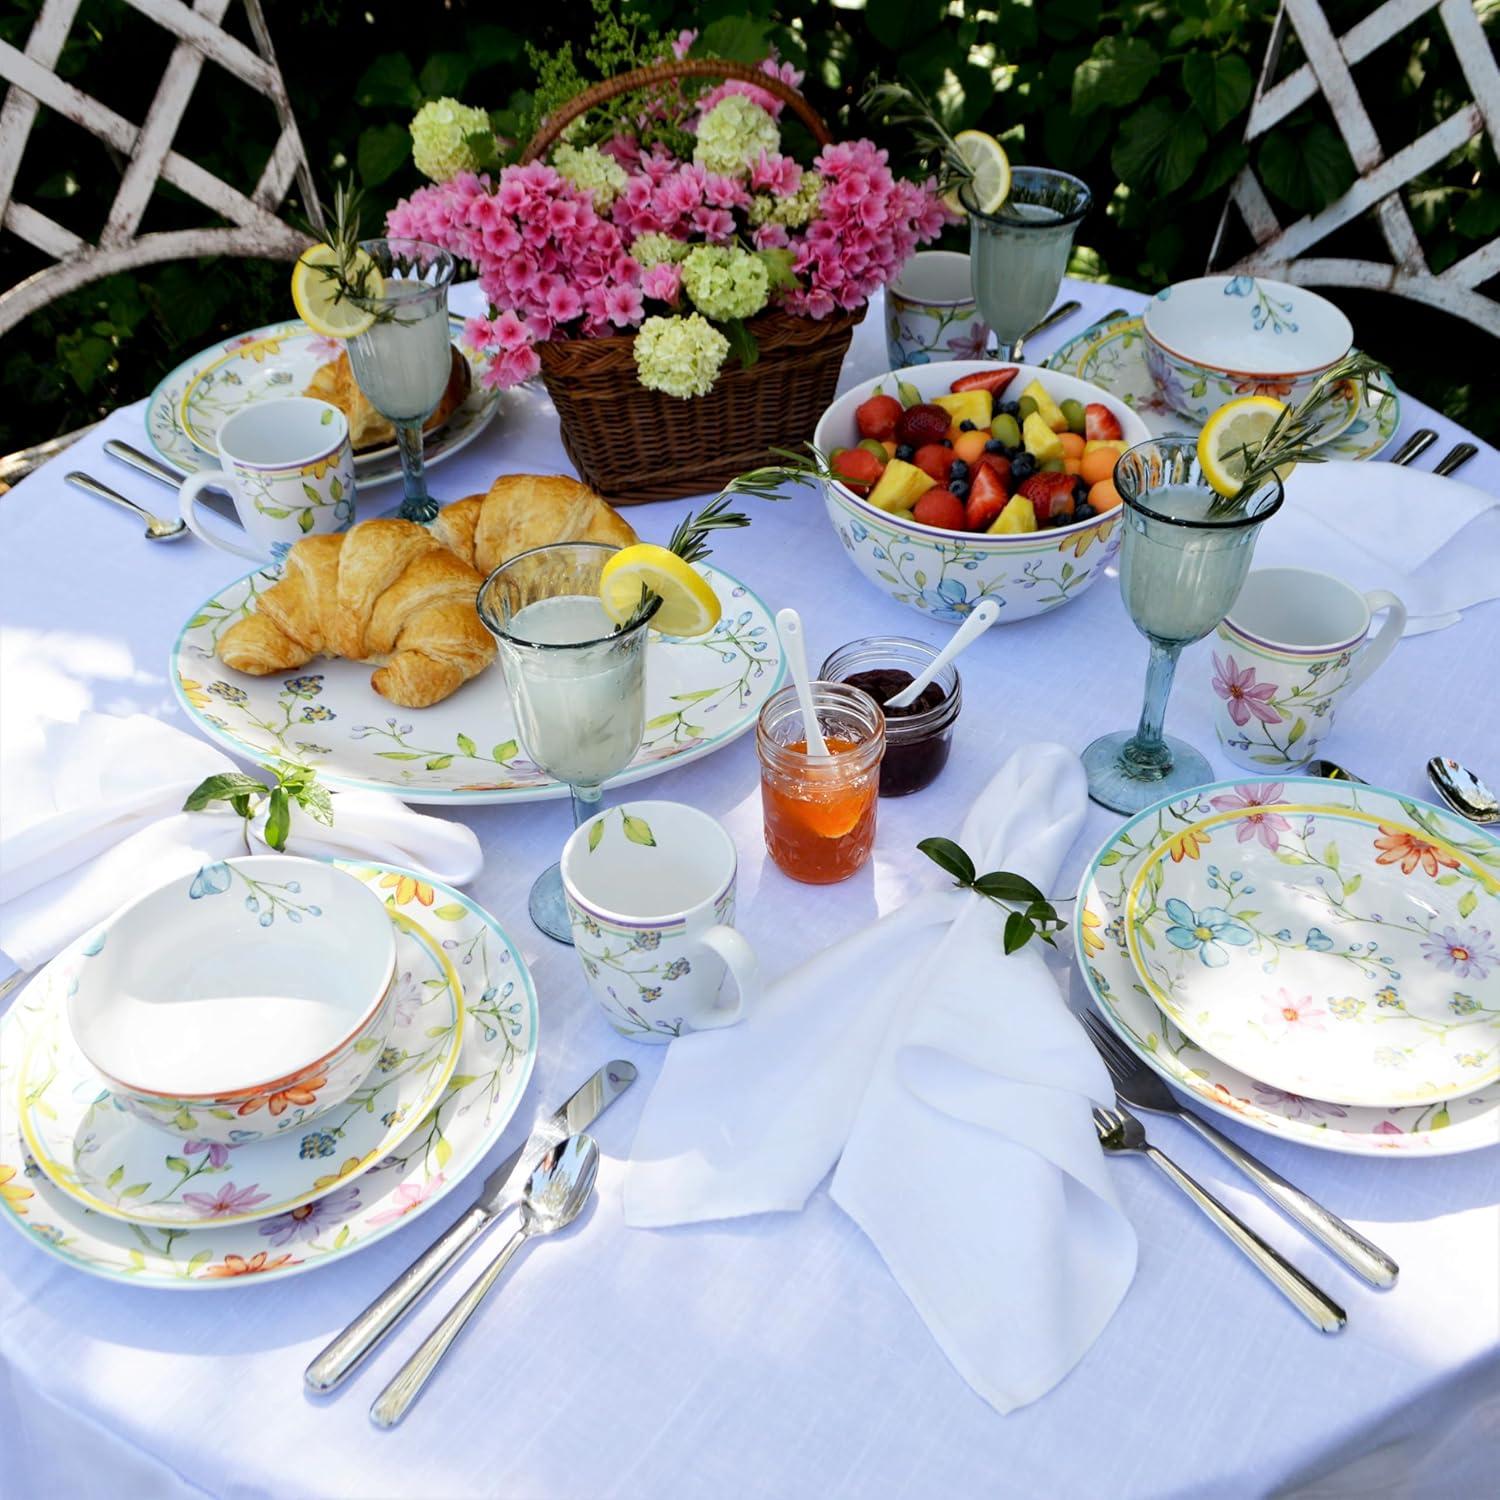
point(733, 134)
point(725, 282)
point(590, 170)
point(654, 249)
point(801, 208)
point(680, 356)
point(439, 138)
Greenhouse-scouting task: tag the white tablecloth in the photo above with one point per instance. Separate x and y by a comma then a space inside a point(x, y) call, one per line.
point(769, 1357)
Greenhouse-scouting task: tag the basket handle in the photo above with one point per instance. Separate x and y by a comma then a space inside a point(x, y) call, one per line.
point(689, 67)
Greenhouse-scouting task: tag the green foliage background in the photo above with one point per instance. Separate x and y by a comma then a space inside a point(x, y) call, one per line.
point(1145, 100)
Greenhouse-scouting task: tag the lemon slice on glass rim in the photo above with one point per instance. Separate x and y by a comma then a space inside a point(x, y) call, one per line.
point(990, 183)
point(1237, 427)
point(688, 605)
point(315, 293)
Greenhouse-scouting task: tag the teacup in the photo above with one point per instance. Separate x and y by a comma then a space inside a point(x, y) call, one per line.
point(930, 312)
point(1295, 644)
point(650, 893)
point(289, 468)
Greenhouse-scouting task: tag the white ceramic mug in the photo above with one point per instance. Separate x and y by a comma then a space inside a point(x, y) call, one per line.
point(930, 312)
point(650, 890)
point(1295, 643)
point(289, 468)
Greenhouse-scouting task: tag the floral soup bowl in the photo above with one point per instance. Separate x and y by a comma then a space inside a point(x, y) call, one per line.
point(239, 1002)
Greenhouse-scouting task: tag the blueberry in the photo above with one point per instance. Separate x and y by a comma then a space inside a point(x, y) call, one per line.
point(1010, 408)
point(905, 452)
point(947, 442)
point(996, 446)
point(958, 469)
point(1084, 512)
point(966, 426)
point(1080, 489)
point(1022, 466)
point(959, 487)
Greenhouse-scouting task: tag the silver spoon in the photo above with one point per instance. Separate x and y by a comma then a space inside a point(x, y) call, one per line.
point(157, 528)
point(555, 1195)
point(1463, 791)
point(1331, 770)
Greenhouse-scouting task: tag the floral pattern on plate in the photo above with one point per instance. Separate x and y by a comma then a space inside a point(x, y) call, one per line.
point(279, 360)
point(494, 1065)
point(1115, 359)
point(1467, 1121)
point(700, 694)
point(99, 1155)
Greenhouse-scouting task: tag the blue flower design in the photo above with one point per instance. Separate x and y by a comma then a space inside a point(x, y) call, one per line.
point(1239, 286)
point(1318, 940)
point(317, 1143)
point(211, 880)
point(1206, 930)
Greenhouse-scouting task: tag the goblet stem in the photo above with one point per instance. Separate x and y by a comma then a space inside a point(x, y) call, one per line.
point(1013, 352)
point(548, 903)
point(586, 801)
point(1146, 749)
point(418, 505)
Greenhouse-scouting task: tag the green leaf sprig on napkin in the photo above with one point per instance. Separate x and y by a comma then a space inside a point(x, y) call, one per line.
point(1031, 913)
point(294, 783)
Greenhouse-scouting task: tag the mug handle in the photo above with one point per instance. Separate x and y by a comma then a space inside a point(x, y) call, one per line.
point(744, 968)
point(188, 496)
point(1385, 640)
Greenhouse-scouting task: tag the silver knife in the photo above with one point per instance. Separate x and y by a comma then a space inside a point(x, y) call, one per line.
point(144, 462)
point(501, 1192)
point(1112, 316)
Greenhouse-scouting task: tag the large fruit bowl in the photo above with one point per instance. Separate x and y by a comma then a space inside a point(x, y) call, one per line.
point(944, 573)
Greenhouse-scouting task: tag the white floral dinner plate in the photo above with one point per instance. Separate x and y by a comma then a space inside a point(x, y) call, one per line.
point(1317, 813)
point(105, 1159)
point(700, 694)
point(494, 1065)
point(186, 410)
point(1115, 359)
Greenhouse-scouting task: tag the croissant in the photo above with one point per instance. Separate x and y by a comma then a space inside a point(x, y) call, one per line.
point(522, 511)
point(385, 591)
point(335, 383)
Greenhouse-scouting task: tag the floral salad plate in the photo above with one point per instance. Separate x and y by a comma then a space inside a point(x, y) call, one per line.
point(701, 693)
point(186, 410)
point(1115, 358)
point(105, 1159)
point(452, 1138)
point(1306, 914)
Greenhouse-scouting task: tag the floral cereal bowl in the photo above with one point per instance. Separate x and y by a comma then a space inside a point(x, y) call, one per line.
point(238, 1002)
point(943, 573)
point(1216, 338)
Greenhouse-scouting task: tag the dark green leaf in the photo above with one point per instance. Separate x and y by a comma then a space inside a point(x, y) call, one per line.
point(1003, 886)
point(317, 804)
point(240, 802)
point(741, 341)
point(1479, 218)
point(742, 39)
point(1220, 168)
point(488, 45)
point(1157, 148)
point(388, 80)
point(278, 819)
point(638, 830)
point(1306, 171)
point(220, 788)
point(1116, 73)
point(445, 74)
point(1219, 87)
point(1019, 930)
point(946, 854)
point(1067, 19)
point(383, 151)
point(779, 268)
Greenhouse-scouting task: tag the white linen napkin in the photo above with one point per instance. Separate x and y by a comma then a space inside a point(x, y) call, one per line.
point(90, 815)
point(952, 1088)
point(1433, 542)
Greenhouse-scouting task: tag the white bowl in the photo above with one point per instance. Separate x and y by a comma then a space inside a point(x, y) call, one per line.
point(241, 1001)
point(1218, 337)
point(944, 573)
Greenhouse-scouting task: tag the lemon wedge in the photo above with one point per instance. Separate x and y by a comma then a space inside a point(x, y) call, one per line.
point(986, 159)
point(688, 605)
point(315, 289)
point(1228, 433)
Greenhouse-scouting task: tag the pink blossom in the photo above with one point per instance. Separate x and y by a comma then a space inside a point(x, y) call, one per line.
point(771, 237)
point(1244, 695)
point(623, 304)
point(563, 303)
point(479, 334)
point(228, 1199)
point(1265, 826)
point(509, 332)
point(663, 282)
point(716, 225)
point(684, 43)
point(408, 1196)
point(1286, 1011)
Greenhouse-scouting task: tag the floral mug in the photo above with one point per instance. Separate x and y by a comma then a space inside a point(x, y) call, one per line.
point(930, 312)
point(1294, 645)
point(650, 893)
point(289, 468)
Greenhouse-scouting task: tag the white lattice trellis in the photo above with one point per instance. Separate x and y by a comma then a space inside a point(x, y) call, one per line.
point(253, 227)
point(1283, 251)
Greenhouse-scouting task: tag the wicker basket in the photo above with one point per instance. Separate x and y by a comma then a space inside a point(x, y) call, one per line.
point(634, 445)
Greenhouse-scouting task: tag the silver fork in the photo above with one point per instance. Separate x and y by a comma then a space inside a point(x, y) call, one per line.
point(1119, 1130)
point(1136, 1084)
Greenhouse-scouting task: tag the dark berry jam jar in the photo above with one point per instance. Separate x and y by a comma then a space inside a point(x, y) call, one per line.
point(917, 739)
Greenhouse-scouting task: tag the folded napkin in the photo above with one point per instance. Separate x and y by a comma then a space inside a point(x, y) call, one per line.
point(952, 1088)
point(90, 815)
point(1433, 542)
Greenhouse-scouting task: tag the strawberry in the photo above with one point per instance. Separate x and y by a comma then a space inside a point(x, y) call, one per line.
point(996, 461)
point(1100, 424)
point(1053, 496)
point(857, 467)
point(934, 459)
point(988, 492)
point(924, 423)
point(940, 508)
point(876, 418)
point(993, 381)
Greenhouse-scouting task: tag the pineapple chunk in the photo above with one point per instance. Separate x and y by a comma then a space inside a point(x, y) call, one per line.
point(901, 486)
point(1049, 411)
point(977, 407)
point(1117, 445)
point(1042, 443)
point(1019, 515)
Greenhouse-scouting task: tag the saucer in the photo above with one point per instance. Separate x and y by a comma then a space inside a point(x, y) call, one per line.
point(106, 1159)
point(494, 1066)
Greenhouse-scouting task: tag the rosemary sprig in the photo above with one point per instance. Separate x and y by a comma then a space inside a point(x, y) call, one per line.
point(690, 542)
point(897, 104)
point(766, 483)
point(355, 276)
point(1293, 437)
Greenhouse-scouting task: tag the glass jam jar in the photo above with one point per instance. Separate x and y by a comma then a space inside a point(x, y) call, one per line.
point(820, 814)
point(917, 739)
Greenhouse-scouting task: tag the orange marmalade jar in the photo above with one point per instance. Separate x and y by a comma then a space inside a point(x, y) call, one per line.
point(820, 814)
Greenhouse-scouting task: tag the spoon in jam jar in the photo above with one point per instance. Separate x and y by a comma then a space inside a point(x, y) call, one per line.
point(794, 643)
point(983, 615)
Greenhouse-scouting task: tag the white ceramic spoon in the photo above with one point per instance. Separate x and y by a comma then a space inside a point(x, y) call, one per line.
point(789, 627)
point(984, 614)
